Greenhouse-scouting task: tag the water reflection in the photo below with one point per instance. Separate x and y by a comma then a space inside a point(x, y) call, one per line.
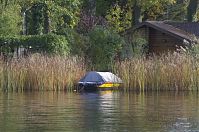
point(100, 111)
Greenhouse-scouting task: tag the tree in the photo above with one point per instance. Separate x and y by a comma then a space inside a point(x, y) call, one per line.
point(192, 9)
point(123, 12)
point(119, 17)
point(6, 3)
point(64, 13)
point(105, 46)
point(42, 16)
point(140, 6)
point(36, 19)
point(176, 12)
point(136, 13)
point(10, 19)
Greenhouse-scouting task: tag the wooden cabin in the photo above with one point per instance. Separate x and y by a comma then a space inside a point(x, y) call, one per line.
point(164, 36)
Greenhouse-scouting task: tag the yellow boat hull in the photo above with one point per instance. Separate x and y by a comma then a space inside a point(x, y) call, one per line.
point(95, 87)
point(109, 85)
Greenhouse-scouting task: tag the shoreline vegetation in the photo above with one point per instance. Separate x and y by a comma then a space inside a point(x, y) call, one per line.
point(78, 36)
point(172, 72)
point(40, 73)
point(104, 35)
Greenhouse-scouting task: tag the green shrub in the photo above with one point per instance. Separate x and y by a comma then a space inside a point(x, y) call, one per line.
point(8, 44)
point(191, 49)
point(138, 43)
point(50, 44)
point(78, 43)
point(105, 47)
point(139, 46)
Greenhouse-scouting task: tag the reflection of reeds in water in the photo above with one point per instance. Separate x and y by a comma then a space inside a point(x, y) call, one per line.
point(41, 73)
point(166, 72)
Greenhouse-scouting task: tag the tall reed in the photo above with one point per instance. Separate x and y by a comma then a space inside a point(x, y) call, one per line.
point(38, 72)
point(166, 72)
point(57, 73)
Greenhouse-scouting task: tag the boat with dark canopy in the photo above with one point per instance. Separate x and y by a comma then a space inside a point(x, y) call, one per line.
point(99, 81)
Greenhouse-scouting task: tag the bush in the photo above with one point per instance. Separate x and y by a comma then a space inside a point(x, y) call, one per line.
point(105, 46)
point(139, 46)
point(8, 44)
point(50, 44)
point(78, 43)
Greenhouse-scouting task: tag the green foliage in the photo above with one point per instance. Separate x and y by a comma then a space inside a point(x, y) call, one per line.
point(105, 47)
point(43, 16)
point(118, 18)
point(61, 17)
point(149, 3)
point(50, 44)
point(175, 12)
point(78, 43)
point(196, 16)
point(161, 10)
point(123, 14)
point(139, 46)
point(192, 50)
point(8, 44)
point(106, 4)
point(10, 20)
point(63, 13)
point(192, 10)
point(36, 18)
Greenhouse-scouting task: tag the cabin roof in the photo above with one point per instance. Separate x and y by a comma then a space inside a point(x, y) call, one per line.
point(190, 27)
point(180, 30)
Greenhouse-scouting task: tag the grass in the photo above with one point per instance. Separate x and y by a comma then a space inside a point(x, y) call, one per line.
point(177, 72)
point(41, 73)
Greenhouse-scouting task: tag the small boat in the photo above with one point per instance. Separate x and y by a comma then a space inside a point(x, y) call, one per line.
point(99, 81)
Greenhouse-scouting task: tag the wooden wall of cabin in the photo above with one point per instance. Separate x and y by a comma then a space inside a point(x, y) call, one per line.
point(160, 42)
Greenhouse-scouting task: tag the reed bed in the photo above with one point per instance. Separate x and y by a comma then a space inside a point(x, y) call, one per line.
point(177, 72)
point(41, 73)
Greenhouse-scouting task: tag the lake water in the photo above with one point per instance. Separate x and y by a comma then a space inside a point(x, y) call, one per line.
point(102, 111)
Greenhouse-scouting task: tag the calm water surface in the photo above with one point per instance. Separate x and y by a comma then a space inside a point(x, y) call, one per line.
point(102, 111)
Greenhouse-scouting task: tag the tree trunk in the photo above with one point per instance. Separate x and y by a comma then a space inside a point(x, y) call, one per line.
point(46, 21)
point(136, 14)
point(192, 9)
point(24, 24)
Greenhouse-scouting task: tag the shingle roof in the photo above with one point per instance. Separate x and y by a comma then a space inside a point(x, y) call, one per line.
point(179, 30)
point(190, 27)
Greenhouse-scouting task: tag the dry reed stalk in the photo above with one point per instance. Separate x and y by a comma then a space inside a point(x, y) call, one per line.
point(39, 72)
point(57, 73)
point(166, 72)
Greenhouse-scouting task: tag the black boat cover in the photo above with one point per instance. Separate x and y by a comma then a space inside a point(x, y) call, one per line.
point(99, 78)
